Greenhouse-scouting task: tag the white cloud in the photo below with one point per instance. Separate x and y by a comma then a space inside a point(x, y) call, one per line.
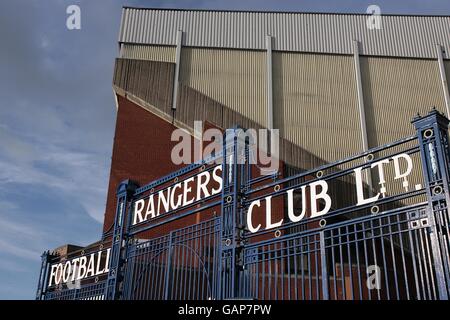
point(20, 240)
point(12, 266)
point(8, 205)
point(11, 248)
point(81, 176)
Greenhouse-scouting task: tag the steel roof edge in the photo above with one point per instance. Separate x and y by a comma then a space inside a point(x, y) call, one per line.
point(286, 12)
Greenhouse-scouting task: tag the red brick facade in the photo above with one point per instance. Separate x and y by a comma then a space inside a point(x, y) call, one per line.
point(141, 151)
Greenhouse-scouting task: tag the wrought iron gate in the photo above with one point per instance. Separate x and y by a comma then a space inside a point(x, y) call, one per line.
point(181, 265)
point(394, 247)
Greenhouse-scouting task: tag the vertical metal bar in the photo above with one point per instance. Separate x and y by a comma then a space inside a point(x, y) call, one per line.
point(207, 257)
point(130, 276)
point(135, 275)
point(127, 273)
point(289, 256)
point(199, 269)
point(149, 260)
point(402, 250)
point(426, 255)
point(269, 83)
point(255, 282)
point(276, 266)
point(146, 262)
point(358, 266)
point(217, 259)
point(413, 259)
point(189, 265)
point(316, 264)
point(394, 264)
point(374, 251)
point(162, 267)
point(341, 262)
point(175, 263)
point(366, 260)
point(308, 250)
point(152, 260)
point(302, 265)
point(361, 106)
point(419, 258)
point(269, 273)
point(177, 69)
point(185, 266)
point(153, 253)
point(444, 240)
point(359, 89)
point(443, 78)
point(383, 254)
point(430, 266)
point(167, 267)
point(281, 267)
point(191, 261)
point(349, 257)
point(295, 268)
point(264, 263)
point(323, 262)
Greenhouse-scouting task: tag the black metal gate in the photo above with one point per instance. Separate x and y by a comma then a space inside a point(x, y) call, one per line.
point(181, 265)
point(332, 263)
point(379, 244)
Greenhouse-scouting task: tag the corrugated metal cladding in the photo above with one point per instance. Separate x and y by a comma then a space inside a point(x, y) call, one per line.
point(398, 89)
point(395, 90)
point(235, 78)
point(447, 72)
point(151, 81)
point(314, 94)
point(400, 36)
point(144, 52)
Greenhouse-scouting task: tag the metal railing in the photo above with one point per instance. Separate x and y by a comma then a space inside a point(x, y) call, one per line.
point(253, 240)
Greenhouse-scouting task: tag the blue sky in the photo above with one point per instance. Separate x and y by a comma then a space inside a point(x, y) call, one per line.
point(57, 119)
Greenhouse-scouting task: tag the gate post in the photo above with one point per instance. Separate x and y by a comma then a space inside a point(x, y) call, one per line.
point(119, 241)
point(42, 283)
point(231, 242)
point(434, 149)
